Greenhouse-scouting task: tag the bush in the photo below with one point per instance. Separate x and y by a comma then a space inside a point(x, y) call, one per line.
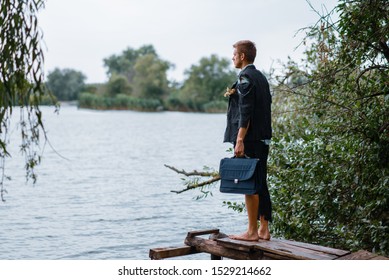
point(174, 103)
point(118, 84)
point(120, 102)
point(215, 107)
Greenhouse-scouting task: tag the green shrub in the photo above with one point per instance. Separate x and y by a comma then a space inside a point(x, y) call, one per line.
point(121, 102)
point(215, 107)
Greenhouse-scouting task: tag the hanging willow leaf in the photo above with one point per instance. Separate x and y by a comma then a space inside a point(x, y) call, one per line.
point(21, 79)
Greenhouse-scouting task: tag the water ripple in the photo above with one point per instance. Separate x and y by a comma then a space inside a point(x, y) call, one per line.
point(110, 198)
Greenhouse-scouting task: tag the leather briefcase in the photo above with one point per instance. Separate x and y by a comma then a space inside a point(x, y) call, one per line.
point(239, 175)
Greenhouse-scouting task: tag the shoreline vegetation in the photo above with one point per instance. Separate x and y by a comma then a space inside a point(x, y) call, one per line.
point(137, 80)
point(125, 102)
point(122, 102)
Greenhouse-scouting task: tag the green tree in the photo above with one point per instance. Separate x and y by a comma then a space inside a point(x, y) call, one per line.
point(21, 79)
point(330, 165)
point(118, 84)
point(143, 69)
point(65, 84)
point(150, 80)
point(124, 63)
point(206, 82)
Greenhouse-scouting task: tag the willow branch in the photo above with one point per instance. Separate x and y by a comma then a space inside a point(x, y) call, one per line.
point(368, 70)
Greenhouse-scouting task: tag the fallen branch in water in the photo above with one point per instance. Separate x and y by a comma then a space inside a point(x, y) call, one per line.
point(193, 173)
point(194, 183)
point(198, 185)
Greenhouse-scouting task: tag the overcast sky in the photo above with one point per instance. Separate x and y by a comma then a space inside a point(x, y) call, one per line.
point(79, 34)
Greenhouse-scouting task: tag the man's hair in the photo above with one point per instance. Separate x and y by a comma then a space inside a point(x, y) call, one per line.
point(248, 48)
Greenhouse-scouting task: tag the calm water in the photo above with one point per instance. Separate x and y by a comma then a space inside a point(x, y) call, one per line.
point(107, 196)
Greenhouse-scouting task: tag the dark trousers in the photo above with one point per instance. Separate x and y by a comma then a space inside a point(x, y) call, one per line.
point(258, 149)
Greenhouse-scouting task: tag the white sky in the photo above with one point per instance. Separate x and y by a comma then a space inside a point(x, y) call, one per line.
point(79, 34)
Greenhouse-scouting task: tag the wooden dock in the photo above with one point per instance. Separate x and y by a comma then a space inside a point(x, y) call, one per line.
point(219, 246)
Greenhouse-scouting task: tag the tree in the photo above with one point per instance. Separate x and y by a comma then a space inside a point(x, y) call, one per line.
point(21, 79)
point(330, 163)
point(150, 80)
point(124, 63)
point(65, 84)
point(118, 84)
point(207, 81)
point(144, 70)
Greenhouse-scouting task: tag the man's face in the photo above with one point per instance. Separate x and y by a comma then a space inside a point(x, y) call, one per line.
point(237, 58)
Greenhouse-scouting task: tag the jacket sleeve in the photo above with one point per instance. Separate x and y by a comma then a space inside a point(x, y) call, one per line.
point(246, 100)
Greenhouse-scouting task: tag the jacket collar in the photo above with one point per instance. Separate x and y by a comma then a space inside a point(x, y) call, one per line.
point(247, 66)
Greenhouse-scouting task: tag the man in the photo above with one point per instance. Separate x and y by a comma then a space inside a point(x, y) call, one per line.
point(249, 129)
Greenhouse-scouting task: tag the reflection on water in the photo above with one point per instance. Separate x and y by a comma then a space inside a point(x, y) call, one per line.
point(107, 196)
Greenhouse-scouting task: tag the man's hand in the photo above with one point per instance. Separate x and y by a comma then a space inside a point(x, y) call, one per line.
point(239, 149)
point(239, 146)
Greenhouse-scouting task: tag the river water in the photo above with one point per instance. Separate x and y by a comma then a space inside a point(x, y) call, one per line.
point(103, 191)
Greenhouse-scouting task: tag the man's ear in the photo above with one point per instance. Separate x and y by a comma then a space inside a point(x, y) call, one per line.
point(242, 56)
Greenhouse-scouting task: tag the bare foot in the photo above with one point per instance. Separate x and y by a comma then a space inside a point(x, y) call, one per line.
point(264, 233)
point(245, 236)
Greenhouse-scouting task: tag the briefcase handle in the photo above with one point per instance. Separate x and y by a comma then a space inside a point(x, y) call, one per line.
point(245, 156)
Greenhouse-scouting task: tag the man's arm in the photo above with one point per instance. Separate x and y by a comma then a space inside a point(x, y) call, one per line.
point(239, 146)
point(246, 105)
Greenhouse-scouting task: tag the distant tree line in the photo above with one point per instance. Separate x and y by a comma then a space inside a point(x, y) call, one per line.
point(137, 80)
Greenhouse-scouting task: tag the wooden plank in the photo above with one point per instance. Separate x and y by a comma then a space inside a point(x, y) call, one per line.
point(240, 245)
point(328, 250)
point(249, 247)
point(270, 256)
point(219, 245)
point(378, 257)
point(284, 250)
point(212, 247)
point(293, 252)
point(216, 236)
point(202, 232)
point(171, 252)
point(363, 255)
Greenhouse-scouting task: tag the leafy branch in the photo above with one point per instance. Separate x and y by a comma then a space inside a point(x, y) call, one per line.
point(194, 181)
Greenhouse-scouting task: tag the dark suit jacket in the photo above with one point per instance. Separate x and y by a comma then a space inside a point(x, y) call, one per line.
point(249, 106)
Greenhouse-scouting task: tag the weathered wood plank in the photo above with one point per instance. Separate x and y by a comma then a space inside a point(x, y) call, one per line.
point(377, 257)
point(240, 245)
point(328, 250)
point(202, 232)
point(283, 250)
point(293, 252)
point(362, 255)
point(171, 252)
point(219, 245)
point(212, 247)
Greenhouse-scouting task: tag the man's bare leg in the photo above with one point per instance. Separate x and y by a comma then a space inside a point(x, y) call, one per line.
point(252, 204)
point(263, 231)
